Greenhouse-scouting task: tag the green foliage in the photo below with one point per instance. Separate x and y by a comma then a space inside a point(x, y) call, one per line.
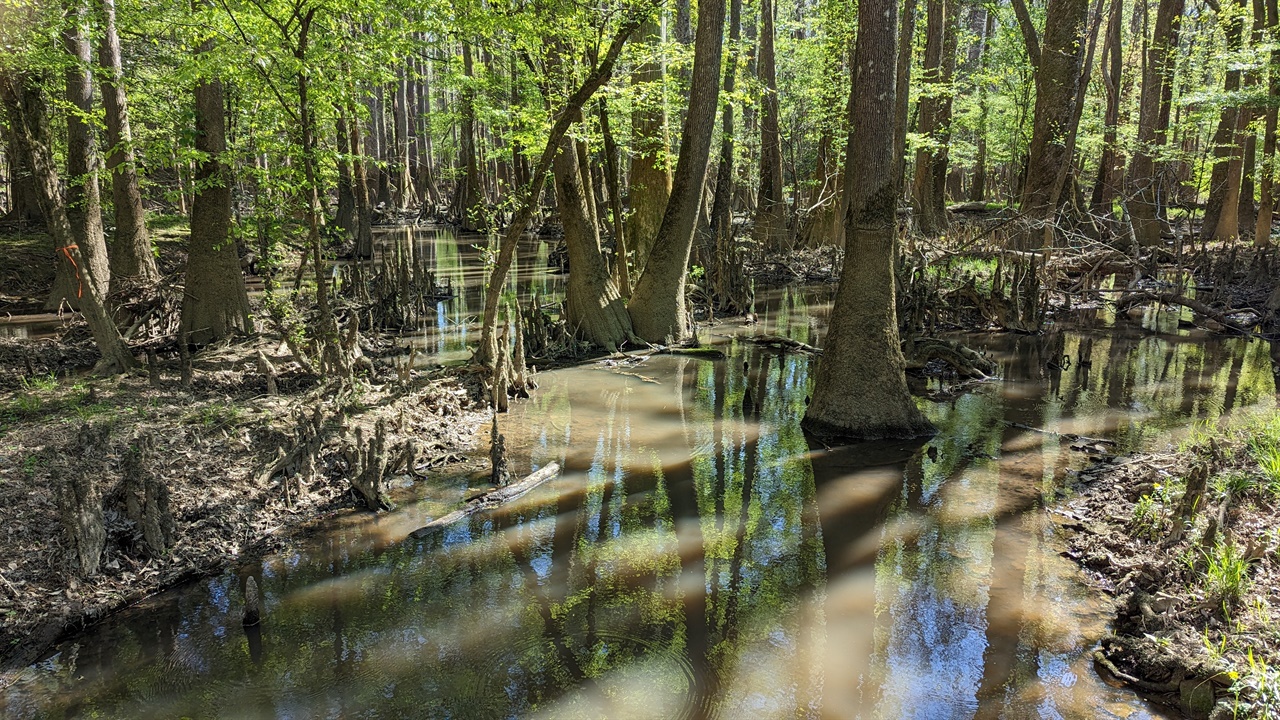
point(1226, 573)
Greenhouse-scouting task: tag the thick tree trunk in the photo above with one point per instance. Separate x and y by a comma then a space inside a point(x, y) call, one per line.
point(1144, 201)
point(596, 311)
point(650, 187)
point(214, 302)
point(28, 127)
point(771, 206)
point(1057, 80)
point(84, 203)
point(657, 305)
point(860, 389)
point(131, 257)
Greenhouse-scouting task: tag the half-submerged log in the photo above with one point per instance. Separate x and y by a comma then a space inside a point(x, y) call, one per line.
point(491, 499)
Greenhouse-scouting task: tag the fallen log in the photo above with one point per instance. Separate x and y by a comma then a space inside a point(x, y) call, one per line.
point(1168, 298)
point(783, 343)
point(490, 500)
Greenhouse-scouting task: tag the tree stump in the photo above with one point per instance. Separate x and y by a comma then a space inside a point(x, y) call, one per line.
point(269, 372)
point(147, 497)
point(252, 603)
point(368, 463)
point(500, 473)
point(80, 500)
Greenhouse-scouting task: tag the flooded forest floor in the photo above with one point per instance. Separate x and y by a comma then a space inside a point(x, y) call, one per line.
point(197, 476)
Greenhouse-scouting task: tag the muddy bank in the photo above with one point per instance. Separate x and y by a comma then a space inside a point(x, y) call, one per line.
point(1186, 543)
point(191, 481)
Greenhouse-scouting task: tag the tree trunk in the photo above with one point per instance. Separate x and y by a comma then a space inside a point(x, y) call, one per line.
point(860, 388)
point(405, 193)
point(468, 200)
point(1057, 79)
point(214, 302)
point(722, 204)
point(657, 306)
point(24, 202)
point(1266, 185)
point(28, 127)
point(650, 186)
point(596, 311)
point(901, 103)
point(1105, 188)
point(345, 219)
point(978, 187)
point(84, 203)
point(1224, 180)
point(1143, 192)
point(131, 257)
point(771, 206)
point(929, 187)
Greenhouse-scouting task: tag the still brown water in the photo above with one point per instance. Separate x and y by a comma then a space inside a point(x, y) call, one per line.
point(699, 557)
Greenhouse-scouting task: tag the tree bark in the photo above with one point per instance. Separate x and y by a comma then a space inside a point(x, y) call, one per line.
point(901, 103)
point(1266, 185)
point(771, 206)
point(1144, 201)
point(1105, 187)
point(28, 126)
point(1224, 179)
point(860, 388)
point(131, 256)
point(722, 203)
point(214, 301)
point(84, 203)
point(657, 305)
point(468, 200)
point(650, 187)
point(929, 187)
point(596, 310)
point(1057, 80)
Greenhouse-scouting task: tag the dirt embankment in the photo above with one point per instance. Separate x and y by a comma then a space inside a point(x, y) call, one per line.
point(1187, 544)
point(165, 484)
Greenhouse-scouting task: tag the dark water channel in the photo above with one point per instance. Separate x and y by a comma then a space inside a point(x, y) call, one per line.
point(699, 558)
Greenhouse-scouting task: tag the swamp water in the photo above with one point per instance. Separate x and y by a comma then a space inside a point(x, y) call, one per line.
point(698, 558)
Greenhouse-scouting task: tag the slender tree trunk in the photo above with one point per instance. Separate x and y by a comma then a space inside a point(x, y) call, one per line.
point(1266, 186)
point(1224, 180)
point(657, 305)
point(131, 257)
point(860, 388)
point(84, 203)
point(978, 188)
point(468, 200)
point(1144, 199)
point(28, 126)
point(622, 269)
point(929, 186)
point(360, 183)
point(406, 196)
point(345, 217)
point(722, 204)
point(771, 206)
point(901, 103)
point(1105, 188)
point(214, 302)
point(650, 187)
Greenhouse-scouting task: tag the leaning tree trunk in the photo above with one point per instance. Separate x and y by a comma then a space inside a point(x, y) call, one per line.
point(1143, 191)
point(596, 310)
point(214, 302)
point(1057, 76)
point(131, 257)
point(657, 305)
point(771, 206)
point(860, 388)
point(84, 204)
point(28, 125)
